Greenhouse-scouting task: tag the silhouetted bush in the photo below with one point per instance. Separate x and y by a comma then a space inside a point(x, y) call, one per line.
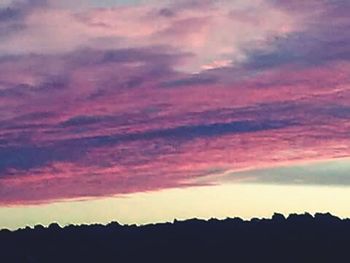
point(297, 238)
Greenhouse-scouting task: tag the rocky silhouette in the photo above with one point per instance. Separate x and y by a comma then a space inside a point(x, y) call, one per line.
point(297, 238)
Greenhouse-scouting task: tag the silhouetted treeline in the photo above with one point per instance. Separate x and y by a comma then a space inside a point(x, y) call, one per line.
point(298, 238)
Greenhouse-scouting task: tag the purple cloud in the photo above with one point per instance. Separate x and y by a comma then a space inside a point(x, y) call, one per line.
point(97, 102)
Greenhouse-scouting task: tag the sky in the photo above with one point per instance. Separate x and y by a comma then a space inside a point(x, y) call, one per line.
point(146, 111)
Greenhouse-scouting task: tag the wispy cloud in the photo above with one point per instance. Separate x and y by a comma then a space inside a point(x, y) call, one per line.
point(131, 98)
point(326, 173)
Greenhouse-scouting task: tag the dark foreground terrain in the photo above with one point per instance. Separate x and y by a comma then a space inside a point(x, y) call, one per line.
point(298, 238)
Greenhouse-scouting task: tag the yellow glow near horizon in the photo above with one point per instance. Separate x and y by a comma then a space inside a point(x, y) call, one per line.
point(221, 201)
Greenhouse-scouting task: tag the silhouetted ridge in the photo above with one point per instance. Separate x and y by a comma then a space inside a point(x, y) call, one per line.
point(297, 238)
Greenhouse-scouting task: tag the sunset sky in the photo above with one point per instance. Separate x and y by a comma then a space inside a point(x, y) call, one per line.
point(146, 111)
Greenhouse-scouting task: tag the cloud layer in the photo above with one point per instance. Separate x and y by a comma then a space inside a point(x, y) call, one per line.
point(108, 100)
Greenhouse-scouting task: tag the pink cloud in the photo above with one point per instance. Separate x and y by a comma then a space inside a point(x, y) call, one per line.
point(104, 101)
point(202, 30)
